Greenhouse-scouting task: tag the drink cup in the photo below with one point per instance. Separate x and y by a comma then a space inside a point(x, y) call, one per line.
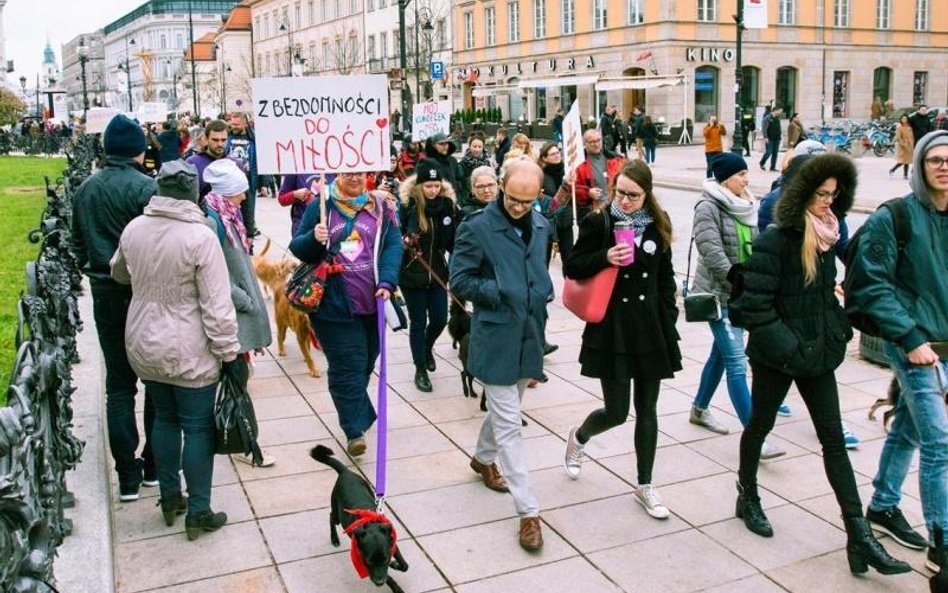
point(625, 235)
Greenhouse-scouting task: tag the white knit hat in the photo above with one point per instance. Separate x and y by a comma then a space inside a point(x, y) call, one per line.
point(225, 178)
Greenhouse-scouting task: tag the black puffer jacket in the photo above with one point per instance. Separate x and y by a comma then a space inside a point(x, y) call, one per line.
point(443, 219)
point(795, 328)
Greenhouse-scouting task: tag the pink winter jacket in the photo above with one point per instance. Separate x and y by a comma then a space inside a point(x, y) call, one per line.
point(181, 321)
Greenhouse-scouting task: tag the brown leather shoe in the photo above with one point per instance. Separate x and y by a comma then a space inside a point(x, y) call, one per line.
point(490, 474)
point(531, 538)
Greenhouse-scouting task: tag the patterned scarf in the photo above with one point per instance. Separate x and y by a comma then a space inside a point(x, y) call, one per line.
point(826, 229)
point(233, 221)
point(639, 219)
point(349, 207)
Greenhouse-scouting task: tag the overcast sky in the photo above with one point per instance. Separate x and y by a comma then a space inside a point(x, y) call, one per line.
point(27, 24)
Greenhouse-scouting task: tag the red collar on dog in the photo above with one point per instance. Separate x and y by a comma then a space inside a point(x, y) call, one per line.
point(362, 518)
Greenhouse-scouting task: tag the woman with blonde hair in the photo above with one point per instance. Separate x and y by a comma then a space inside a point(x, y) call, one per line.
point(798, 334)
point(522, 141)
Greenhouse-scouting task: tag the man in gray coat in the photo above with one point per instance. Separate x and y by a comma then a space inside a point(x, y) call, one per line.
point(499, 264)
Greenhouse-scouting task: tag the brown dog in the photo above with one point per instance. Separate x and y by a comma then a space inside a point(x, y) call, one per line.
point(289, 317)
point(270, 272)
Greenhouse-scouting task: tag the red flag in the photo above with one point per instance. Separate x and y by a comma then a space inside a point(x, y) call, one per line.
point(645, 55)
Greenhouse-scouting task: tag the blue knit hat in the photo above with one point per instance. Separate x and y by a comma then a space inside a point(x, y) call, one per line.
point(123, 137)
point(726, 164)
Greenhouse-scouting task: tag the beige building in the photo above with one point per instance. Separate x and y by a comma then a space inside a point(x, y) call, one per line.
point(821, 58)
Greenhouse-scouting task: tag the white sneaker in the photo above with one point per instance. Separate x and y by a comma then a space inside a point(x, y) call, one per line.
point(648, 497)
point(769, 451)
point(573, 460)
point(268, 460)
point(706, 419)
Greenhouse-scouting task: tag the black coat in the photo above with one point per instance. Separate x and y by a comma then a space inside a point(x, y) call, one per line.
point(637, 337)
point(443, 219)
point(795, 328)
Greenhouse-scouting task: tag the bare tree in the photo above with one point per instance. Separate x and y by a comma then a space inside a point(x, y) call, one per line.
point(345, 50)
point(425, 25)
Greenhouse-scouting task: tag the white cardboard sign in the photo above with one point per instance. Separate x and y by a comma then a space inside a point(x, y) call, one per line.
point(430, 118)
point(98, 118)
point(335, 124)
point(152, 112)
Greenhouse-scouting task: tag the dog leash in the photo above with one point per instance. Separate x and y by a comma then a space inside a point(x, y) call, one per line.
point(417, 256)
point(382, 445)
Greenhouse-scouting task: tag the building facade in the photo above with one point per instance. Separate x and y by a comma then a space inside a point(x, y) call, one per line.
point(825, 59)
point(94, 70)
point(148, 45)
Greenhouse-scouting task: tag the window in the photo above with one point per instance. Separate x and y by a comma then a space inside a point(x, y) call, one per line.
point(395, 42)
point(256, 27)
point(179, 41)
point(353, 57)
point(567, 17)
point(410, 39)
point(468, 30)
point(706, 92)
point(490, 25)
point(785, 12)
point(921, 15)
point(786, 94)
point(600, 16)
point(312, 57)
point(370, 49)
point(340, 52)
point(266, 25)
point(635, 12)
point(297, 16)
point(513, 21)
point(840, 94)
point(539, 19)
point(383, 45)
point(260, 65)
point(163, 44)
point(707, 11)
point(324, 10)
point(841, 13)
point(267, 69)
point(369, 5)
point(750, 86)
point(883, 14)
point(441, 33)
point(882, 83)
point(311, 17)
point(383, 3)
point(353, 6)
point(919, 88)
point(327, 57)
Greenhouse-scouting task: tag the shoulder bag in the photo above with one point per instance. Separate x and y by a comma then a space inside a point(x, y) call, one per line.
point(588, 298)
point(699, 306)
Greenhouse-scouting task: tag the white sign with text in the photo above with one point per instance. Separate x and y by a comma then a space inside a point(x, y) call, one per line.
point(430, 118)
point(99, 117)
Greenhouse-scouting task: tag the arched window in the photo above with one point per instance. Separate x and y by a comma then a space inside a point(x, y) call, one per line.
point(786, 94)
point(881, 83)
point(706, 92)
point(750, 86)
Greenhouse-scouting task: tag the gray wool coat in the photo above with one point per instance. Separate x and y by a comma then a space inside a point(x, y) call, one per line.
point(253, 323)
point(509, 286)
point(716, 242)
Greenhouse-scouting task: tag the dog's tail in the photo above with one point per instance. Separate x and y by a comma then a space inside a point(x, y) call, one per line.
point(266, 247)
point(324, 455)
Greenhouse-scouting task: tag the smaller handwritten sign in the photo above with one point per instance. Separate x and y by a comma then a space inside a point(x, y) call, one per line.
point(152, 112)
point(428, 119)
point(97, 118)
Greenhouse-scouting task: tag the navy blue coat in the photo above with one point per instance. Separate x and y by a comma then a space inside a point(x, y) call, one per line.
point(509, 285)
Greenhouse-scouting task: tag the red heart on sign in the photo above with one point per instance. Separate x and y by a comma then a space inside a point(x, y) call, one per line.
point(381, 122)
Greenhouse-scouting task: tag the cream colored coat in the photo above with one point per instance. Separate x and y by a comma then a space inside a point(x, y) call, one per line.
point(181, 321)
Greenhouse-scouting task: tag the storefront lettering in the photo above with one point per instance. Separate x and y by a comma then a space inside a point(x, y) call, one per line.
point(533, 67)
point(709, 54)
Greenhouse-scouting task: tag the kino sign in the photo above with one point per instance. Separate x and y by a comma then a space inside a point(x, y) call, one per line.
point(709, 54)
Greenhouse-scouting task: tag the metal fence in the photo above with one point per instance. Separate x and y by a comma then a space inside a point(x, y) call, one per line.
point(37, 444)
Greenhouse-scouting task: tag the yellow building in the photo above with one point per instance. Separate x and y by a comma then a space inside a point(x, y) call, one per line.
point(821, 58)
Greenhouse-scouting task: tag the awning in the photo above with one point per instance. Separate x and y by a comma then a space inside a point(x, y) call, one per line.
point(638, 82)
point(558, 81)
point(490, 91)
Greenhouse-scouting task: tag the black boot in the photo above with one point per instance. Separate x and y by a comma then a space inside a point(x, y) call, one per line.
point(430, 363)
point(748, 508)
point(863, 551)
point(172, 506)
point(205, 521)
point(422, 382)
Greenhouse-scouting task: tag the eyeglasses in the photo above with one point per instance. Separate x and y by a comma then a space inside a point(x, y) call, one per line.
point(485, 186)
point(632, 196)
point(553, 153)
point(936, 162)
point(826, 195)
point(528, 203)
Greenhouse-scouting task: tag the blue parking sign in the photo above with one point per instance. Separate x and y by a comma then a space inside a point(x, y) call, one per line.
point(437, 70)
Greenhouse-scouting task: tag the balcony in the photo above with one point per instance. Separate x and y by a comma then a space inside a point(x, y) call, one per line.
point(380, 65)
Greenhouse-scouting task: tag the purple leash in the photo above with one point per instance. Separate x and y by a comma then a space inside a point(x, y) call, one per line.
point(382, 404)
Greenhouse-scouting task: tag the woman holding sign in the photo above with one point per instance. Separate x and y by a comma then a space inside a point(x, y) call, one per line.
point(359, 231)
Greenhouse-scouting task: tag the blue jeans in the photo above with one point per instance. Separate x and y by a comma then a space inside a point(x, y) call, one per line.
point(351, 348)
point(727, 354)
point(427, 315)
point(110, 303)
point(773, 147)
point(650, 153)
point(708, 157)
point(921, 422)
point(191, 411)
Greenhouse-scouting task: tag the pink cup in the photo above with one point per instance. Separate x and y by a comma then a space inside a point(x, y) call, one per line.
point(625, 235)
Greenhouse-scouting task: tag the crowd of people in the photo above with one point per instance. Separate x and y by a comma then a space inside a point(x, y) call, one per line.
point(176, 303)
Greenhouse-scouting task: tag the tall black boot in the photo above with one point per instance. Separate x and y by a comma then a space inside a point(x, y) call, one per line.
point(748, 508)
point(863, 551)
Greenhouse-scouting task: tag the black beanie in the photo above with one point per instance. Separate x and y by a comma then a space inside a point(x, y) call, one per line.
point(123, 137)
point(428, 171)
point(726, 164)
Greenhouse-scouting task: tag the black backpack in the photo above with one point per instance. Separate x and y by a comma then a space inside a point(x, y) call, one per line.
point(859, 319)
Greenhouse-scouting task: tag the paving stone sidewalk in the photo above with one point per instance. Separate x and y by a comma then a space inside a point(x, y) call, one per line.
point(457, 535)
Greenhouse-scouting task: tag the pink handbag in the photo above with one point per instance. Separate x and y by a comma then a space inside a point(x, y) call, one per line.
point(588, 298)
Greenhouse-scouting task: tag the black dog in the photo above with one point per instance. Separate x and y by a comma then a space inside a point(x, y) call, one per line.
point(939, 582)
point(372, 536)
point(459, 328)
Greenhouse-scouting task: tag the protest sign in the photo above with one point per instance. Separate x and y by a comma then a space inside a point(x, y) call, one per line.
point(430, 118)
point(97, 118)
point(152, 112)
point(573, 138)
point(334, 124)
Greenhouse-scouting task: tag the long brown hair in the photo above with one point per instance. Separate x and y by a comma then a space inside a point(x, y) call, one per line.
point(418, 200)
point(641, 174)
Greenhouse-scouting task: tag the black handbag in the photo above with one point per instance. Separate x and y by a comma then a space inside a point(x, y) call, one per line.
point(699, 306)
point(235, 423)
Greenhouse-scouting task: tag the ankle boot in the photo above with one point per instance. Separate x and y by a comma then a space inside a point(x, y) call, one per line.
point(863, 551)
point(205, 521)
point(172, 506)
point(748, 508)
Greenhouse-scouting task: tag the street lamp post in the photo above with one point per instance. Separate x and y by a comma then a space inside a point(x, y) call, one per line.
point(39, 112)
point(403, 63)
point(422, 21)
point(83, 58)
point(128, 72)
point(174, 86)
point(285, 28)
point(25, 97)
point(737, 146)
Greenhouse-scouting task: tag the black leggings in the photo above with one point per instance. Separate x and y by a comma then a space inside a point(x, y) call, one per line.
point(822, 401)
point(616, 395)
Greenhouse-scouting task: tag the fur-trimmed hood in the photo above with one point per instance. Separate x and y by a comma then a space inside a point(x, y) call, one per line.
point(408, 186)
point(796, 194)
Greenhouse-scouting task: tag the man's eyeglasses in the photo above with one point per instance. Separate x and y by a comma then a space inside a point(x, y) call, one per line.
point(528, 203)
point(936, 162)
point(632, 196)
point(827, 195)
